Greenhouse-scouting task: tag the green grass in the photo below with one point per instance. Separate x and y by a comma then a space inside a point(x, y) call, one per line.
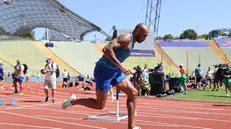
point(205, 95)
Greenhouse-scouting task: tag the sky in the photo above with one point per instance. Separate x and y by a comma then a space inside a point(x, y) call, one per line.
point(176, 15)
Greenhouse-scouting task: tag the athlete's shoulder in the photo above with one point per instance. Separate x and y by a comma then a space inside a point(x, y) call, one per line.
point(124, 38)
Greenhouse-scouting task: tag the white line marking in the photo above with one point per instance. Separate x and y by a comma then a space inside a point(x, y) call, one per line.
point(58, 117)
point(24, 125)
point(180, 117)
point(150, 122)
point(57, 121)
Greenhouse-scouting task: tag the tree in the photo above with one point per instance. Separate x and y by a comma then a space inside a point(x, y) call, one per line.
point(189, 34)
point(168, 36)
point(229, 34)
point(159, 38)
point(25, 32)
point(224, 34)
point(203, 36)
point(3, 32)
point(108, 39)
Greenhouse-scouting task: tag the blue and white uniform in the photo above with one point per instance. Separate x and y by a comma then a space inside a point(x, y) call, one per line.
point(106, 73)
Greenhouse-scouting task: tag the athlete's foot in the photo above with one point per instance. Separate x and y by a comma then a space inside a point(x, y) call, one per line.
point(15, 92)
point(46, 100)
point(113, 98)
point(20, 93)
point(67, 103)
point(136, 127)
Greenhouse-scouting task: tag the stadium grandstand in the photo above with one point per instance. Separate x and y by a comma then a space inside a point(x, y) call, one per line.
point(154, 66)
point(190, 53)
point(62, 41)
point(18, 20)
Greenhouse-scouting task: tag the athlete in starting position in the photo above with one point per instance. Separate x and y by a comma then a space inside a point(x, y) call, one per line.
point(110, 71)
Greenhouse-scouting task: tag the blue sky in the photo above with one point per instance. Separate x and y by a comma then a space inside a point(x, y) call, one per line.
point(176, 15)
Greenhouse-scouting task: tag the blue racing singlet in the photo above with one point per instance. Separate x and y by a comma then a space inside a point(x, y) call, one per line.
point(121, 55)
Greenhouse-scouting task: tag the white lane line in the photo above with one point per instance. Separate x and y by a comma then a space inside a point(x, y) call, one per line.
point(57, 121)
point(69, 118)
point(25, 125)
point(187, 126)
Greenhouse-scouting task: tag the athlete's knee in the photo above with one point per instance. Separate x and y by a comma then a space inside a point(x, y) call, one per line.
point(100, 105)
point(133, 94)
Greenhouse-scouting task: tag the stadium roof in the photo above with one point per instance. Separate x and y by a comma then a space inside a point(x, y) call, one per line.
point(19, 16)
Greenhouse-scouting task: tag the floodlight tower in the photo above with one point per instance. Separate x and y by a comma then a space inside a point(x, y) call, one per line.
point(152, 17)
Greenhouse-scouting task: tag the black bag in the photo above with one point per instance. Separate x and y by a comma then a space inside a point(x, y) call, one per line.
point(25, 68)
point(57, 70)
point(157, 83)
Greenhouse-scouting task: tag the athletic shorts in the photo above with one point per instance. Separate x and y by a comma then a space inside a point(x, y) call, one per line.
point(105, 77)
point(50, 84)
point(1, 78)
point(19, 80)
point(64, 79)
point(198, 78)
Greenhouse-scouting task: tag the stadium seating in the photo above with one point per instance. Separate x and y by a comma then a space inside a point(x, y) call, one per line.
point(223, 42)
point(80, 56)
point(225, 46)
point(198, 52)
point(62, 65)
point(25, 51)
point(7, 67)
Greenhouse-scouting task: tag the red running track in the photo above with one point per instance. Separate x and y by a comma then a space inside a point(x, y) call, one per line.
point(32, 112)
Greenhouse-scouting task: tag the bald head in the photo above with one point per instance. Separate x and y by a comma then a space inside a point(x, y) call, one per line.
point(140, 32)
point(141, 26)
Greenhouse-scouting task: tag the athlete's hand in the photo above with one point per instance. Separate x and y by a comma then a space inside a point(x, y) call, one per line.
point(126, 71)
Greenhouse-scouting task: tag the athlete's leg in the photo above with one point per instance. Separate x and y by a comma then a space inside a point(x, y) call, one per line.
point(103, 77)
point(131, 92)
point(97, 103)
point(111, 92)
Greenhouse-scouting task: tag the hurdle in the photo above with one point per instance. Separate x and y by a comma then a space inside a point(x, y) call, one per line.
point(118, 115)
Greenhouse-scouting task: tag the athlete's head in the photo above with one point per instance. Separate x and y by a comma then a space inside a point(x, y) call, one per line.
point(140, 32)
point(48, 60)
point(18, 61)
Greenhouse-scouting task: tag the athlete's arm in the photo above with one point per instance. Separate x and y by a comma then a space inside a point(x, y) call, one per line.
point(108, 50)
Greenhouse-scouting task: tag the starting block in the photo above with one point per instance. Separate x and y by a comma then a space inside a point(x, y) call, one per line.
point(118, 115)
point(13, 102)
point(2, 102)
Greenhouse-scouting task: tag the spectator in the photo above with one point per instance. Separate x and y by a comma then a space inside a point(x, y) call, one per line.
point(145, 86)
point(217, 77)
point(210, 77)
point(136, 76)
point(159, 68)
point(18, 76)
point(65, 78)
point(50, 78)
point(1, 75)
point(145, 73)
point(227, 79)
point(183, 79)
point(198, 74)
